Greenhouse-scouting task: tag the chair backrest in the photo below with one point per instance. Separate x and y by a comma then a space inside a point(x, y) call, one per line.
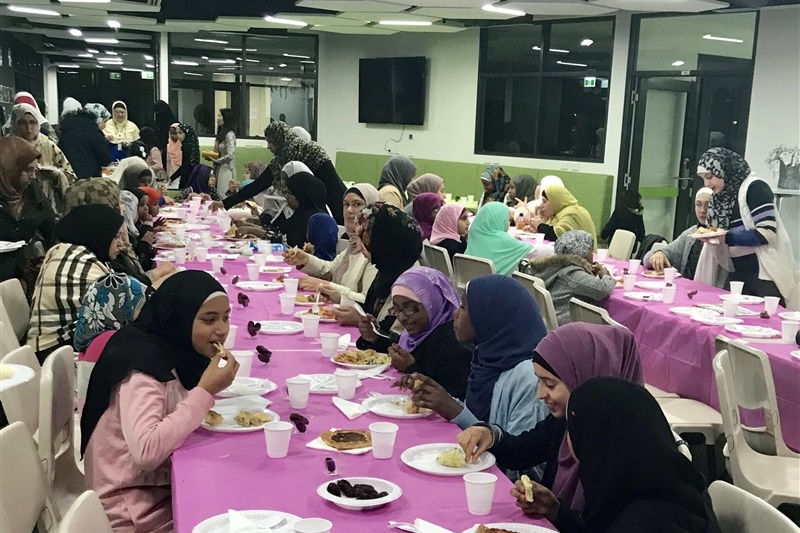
point(541, 295)
point(24, 503)
point(86, 514)
point(438, 258)
point(56, 409)
point(755, 389)
point(580, 311)
point(21, 403)
point(738, 511)
point(622, 244)
point(468, 267)
point(17, 309)
point(8, 339)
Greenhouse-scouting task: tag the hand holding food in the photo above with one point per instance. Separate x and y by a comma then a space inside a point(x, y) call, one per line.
point(401, 359)
point(475, 441)
point(295, 257)
point(365, 328)
point(659, 261)
point(430, 395)
point(544, 502)
point(216, 379)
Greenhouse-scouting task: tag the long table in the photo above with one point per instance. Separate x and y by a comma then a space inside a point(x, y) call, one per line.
point(677, 352)
point(213, 472)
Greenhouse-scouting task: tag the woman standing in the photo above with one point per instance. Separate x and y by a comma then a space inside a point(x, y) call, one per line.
point(120, 130)
point(82, 141)
point(560, 213)
point(757, 243)
point(628, 216)
point(183, 151)
point(225, 147)
point(450, 229)
point(164, 118)
point(397, 174)
point(489, 239)
point(425, 208)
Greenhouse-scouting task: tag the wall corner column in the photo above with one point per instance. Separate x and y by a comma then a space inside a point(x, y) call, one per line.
point(163, 66)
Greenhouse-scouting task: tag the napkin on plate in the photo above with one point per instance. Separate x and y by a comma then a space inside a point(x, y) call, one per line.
point(344, 341)
point(318, 444)
point(373, 372)
point(424, 526)
point(251, 401)
point(349, 409)
point(237, 522)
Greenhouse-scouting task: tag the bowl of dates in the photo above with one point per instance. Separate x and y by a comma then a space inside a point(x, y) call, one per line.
point(359, 493)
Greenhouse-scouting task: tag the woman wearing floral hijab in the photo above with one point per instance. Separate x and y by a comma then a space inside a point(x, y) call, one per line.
point(182, 141)
point(495, 183)
point(757, 243)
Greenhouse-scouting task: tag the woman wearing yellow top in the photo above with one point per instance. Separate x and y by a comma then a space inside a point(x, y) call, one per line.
point(561, 213)
point(120, 129)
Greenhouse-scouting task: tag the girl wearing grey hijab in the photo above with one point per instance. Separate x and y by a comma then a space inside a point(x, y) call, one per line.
point(397, 173)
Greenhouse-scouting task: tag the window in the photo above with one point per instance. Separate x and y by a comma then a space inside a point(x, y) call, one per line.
point(543, 89)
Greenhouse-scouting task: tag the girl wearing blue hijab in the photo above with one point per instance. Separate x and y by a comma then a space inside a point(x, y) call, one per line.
point(323, 233)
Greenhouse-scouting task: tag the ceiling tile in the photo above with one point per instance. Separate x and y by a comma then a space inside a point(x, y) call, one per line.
point(460, 4)
point(356, 5)
point(458, 13)
point(355, 30)
point(434, 28)
point(561, 7)
point(324, 20)
point(685, 6)
point(374, 17)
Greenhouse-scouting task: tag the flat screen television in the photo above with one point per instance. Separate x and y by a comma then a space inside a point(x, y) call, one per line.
point(392, 90)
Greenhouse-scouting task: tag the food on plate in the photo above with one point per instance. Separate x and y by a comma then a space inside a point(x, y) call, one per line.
point(281, 278)
point(299, 421)
point(325, 313)
point(691, 294)
point(453, 458)
point(764, 314)
point(308, 248)
point(359, 491)
point(528, 485)
point(213, 418)
point(362, 357)
point(305, 298)
point(169, 244)
point(248, 419)
point(231, 231)
point(410, 408)
point(486, 529)
point(703, 231)
point(254, 208)
point(347, 439)
point(653, 273)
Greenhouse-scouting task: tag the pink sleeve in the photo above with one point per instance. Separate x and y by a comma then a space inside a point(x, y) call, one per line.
point(150, 432)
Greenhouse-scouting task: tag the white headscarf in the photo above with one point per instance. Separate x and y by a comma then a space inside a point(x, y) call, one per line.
point(302, 133)
point(70, 106)
point(293, 167)
point(703, 190)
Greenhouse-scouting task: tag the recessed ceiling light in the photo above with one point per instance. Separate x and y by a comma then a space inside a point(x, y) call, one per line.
point(222, 61)
point(571, 64)
point(312, 62)
point(109, 60)
point(150, 65)
point(271, 68)
point(110, 53)
point(239, 49)
point(128, 69)
point(724, 39)
point(34, 11)
point(282, 65)
point(75, 32)
point(204, 58)
point(86, 55)
point(678, 63)
point(227, 68)
point(238, 58)
point(148, 57)
point(252, 60)
point(297, 56)
point(185, 63)
point(587, 42)
point(69, 66)
point(193, 74)
point(114, 24)
point(503, 10)
point(102, 41)
point(212, 41)
point(286, 79)
point(554, 50)
point(85, 1)
point(92, 51)
point(405, 23)
point(288, 22)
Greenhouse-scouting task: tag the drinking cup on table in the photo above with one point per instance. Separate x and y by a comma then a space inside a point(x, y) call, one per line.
point(224, 222)
point(346, 381)
point(260, 259)
point(313, 525)
point(191, 217)
point(245, 361)
point(298, 389)
point(789, 330)
point(480, 492)
point(730, 308)
point(668, 293)
point(383, 436)
point(470, 198)
point(669, 274)
point(278, 434)
point(330, 343)
point(602, 255)
point(230, 340)
point(205, 240)
point(628, 282)
point(290, 285)
point(633, 266)
point(736, 287)
point(191, 245)
point(771, 304)
point(310, 325)
point(180, 232)
point(538, 239)
point(216, 264)
point(448, 196)
point(252, 271)
point(203, 211)
point(264, 246)
point(180, 256)
point(201, 253)
point(194, 203)
point(287, 303)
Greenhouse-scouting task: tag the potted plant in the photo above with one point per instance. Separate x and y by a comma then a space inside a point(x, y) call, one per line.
point(785, 160)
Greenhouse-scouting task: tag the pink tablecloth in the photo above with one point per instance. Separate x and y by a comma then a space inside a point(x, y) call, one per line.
point(214, 472)
point(678, 353)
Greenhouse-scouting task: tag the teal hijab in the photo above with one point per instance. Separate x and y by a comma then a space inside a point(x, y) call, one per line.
point(489, 238)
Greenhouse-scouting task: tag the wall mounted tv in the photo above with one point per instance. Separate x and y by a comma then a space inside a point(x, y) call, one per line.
point(392, 90)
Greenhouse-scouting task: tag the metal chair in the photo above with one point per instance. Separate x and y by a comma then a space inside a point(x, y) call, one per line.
point(541, 295)
point(438, 258)
point(467, 267)
point(622, 244)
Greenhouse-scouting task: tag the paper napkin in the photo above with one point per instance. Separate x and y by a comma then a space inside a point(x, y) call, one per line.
point(349, 409)
point(424, 526)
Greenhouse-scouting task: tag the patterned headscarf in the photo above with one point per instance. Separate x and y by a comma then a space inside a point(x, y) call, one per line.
point(98, 112)
point(190, 147)
point(575, 242)
point(287, 146)
point(733, 170)
point(499, 178)
point(92, 191)
point(130, 210)
point(108, 305)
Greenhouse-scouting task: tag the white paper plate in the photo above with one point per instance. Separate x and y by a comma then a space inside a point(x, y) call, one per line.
point(324, 383)
point(259, 285)
point(657, 274)
point(795, 353)
point(168, 245)
point(740, 311)
point(229, 425)
point(515, 527)
point(744, 299)
point(643, 296)
point(300, 314)
point(244, 386)
point(306, 304)
point(756, 332)
point(358, 367)
point(351, 504)
point(236, 214)
point(423, 458)
point(222, 256)
point(280, 327)
point(171, 215)
point(651, 285)
point(275, 270)
point(790, 315)
point(219, 523)
point(716, 320)
point(691, 311)
point(720, 233)
point(391, 406)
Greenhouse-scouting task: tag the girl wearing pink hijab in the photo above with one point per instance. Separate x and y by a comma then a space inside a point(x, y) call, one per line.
point(450, 229)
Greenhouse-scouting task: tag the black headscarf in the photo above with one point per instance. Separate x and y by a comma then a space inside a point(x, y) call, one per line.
point(311, 193)
point(164, 118)
point(93, 226)
point(627, 454)
point(157, 342)
point(394, 244)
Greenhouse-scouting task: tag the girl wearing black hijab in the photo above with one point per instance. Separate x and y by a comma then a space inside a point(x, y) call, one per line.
point(634, 478)
point(91, 236)
point(164, 118)
point(137, 413)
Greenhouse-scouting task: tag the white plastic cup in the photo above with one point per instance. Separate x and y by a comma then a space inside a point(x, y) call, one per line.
point(180, 256)
point(383, 436)
point(346, 381)
point(230, 340)
point(669, 274)
point(448, 196)
point(602, 255)
point(191, 217)
point(298, 391)
point(194, 203)
point(260, 259)
point(737, 287)
point(216, 264)
point(789, 330)
point(538, 239)
point(252, 271)
point(730, 308)
point(191, 245)
point(278, 434)
point(628, 282)
point(205, 240)
point(313, 525)
point(310, 325)
point(480, 492)
point(264, 246)
point(180, 232)
point(287, 303)
point(770, 303)
point(330, 343)
point(201, 253)
point(290, 285)
point(668, 293)
point(224, 222)
point(245, 364)
point(633, 266)
point(470, 198)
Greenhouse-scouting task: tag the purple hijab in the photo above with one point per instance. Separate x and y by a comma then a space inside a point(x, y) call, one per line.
point(424, 204)
point(198, 179)
point(576, 353)
point(437, 296)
